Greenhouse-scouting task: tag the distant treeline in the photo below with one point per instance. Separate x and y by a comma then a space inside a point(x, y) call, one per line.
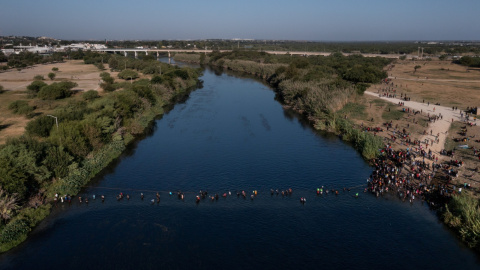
point(469, 61)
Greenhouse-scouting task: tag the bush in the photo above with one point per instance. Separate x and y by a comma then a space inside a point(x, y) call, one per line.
point(38, 78)
point(108, 87)
point(55, 69)
point(56, 90)
point(32, 216)
point(52, 76)
point(35, 86)
point(106, 77)
point(40, 126)
point(15, 232)
point(90, 95)
point(463, 214)
point(21, 107)
point(128, 74)
point(156, 80)
point(100, 66)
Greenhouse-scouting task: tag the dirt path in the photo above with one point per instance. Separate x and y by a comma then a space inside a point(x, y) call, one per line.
point(433, 80)
point(439, 127)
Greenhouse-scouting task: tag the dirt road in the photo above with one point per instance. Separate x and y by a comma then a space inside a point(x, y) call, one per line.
point(439, 127)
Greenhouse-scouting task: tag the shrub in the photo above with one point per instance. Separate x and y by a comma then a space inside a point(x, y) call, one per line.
point(108, 87)
point(128, 74)
point(51, 75)
point(14, 232)
point(57, 161)
point(40, 126)
point(463, 214)
point(21, 107)
point(90, 95)
point(38, 78)
point(35, 86)
point(32, 216)
point(55, 69)
point(106, 77)
point(156, 80)
point(56, 90)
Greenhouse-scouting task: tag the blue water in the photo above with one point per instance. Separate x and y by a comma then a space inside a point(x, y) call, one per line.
point(232, 135)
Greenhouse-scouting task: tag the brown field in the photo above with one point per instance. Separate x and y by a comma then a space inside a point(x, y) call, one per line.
point(437, 82)
point(15, 82)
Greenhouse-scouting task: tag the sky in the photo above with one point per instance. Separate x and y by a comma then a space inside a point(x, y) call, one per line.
point(317, 20)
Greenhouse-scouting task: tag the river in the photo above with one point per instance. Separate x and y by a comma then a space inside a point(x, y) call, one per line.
point(232, 135)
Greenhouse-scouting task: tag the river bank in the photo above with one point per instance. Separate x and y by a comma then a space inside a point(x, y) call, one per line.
point(421, 166)
point(233, 135)
point(145, 104)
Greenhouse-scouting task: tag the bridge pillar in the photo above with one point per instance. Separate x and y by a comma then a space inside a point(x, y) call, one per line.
point(125, 53)
point(136, 54)
point(168, 54)
point(158, 55)
point(146, 52)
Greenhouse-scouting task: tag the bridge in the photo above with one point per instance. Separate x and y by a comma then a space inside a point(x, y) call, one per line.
point(169, 51)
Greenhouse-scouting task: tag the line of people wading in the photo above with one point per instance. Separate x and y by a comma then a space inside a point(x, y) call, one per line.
point(201, 196)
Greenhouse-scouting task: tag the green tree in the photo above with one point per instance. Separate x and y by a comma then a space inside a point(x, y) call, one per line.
point(71, 135)
point(21, 107)
point(35, 86)
point(40, 126)
point(113, 63)
point(56, 90)
point(55, 69)
point(156, 80)
point(20, 166)
point(415, 68)
point(106, 77)
point(51, 75)
point(128, 74)
point(90, 95)
point(57, 160)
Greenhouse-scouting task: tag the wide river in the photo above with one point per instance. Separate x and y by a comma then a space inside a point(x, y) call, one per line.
point(232, 135)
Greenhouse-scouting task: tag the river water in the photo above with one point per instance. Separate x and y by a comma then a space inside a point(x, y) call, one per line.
point(232, 135)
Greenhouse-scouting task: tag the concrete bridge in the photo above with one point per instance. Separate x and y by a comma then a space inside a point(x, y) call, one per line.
point(169, 51)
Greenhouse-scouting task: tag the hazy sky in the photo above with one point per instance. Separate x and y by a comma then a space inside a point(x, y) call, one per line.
point(328, 20)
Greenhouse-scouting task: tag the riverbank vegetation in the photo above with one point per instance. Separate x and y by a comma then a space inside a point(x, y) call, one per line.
point(73, 138)
point(317, 86)
point(327, 89)
point(463, 215)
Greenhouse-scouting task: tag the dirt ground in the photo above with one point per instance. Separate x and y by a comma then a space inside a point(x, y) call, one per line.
point(435, 82)
point(15, 85)
point(86, 76)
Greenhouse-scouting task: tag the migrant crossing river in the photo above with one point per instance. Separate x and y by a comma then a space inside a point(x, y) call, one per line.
point(232, 135)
